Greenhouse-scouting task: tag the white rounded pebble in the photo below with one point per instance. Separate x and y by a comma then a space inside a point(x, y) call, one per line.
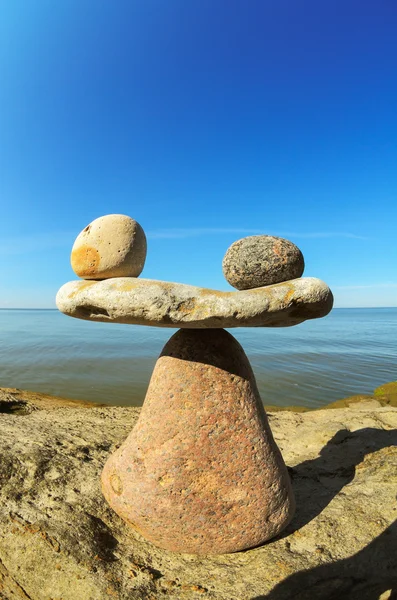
point(110, 246)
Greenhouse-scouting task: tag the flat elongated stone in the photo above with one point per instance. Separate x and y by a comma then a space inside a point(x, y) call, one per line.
point(164, 304)
point(200, 472)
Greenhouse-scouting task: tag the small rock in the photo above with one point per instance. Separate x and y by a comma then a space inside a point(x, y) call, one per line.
point(260, 260)
point(110, 246)
point(200, 472)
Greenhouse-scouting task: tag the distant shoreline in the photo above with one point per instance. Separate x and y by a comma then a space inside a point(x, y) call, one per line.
point(349, 352)
point(17, 401)
point(335, 308)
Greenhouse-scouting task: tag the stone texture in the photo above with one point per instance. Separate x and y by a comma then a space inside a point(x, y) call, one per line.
point(375, 401)
point(110, 246)
point(388, 392)
point(22, 402)
point(59, 539)
point(164, 304)
point(260, 260)
point(200, 472)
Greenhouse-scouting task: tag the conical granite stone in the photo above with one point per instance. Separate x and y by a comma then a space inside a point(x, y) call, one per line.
point(200, 472)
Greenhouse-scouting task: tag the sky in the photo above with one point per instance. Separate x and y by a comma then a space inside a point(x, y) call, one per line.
point(206, 121)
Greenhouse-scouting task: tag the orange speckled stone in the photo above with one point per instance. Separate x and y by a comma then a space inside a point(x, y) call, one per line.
point(200, 472)
point(110, 246)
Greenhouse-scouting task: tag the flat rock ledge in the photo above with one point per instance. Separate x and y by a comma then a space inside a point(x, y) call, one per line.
point(163, 304)
point(60, 541)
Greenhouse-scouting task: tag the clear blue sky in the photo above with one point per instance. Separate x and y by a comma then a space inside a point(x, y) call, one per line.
point(205, 120)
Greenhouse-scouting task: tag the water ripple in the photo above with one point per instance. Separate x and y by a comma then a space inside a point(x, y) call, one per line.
point(351, 351)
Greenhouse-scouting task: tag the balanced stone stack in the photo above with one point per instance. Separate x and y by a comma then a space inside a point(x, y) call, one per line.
point(200, 472)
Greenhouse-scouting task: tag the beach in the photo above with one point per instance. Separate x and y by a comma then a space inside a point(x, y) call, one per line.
point(52, 512)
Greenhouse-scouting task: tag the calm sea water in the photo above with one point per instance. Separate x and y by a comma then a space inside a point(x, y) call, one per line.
point(349, 352)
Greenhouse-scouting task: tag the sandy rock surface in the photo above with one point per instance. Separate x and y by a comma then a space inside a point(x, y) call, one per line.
point(60, 540)
point(110, 246)
point(164, 304)
point(259, 260)
point(22, 402)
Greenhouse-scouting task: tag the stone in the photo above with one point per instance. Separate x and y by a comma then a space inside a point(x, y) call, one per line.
point(260, 260)
point(59, 538)
point(200, 472)
point(387, 391)
point(384, 395)
point(164, 304)
point(110, 246)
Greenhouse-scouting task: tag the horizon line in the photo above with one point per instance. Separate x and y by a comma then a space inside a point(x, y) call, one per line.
point(57, 310)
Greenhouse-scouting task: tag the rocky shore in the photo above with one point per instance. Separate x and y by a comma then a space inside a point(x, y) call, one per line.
point(60, 540)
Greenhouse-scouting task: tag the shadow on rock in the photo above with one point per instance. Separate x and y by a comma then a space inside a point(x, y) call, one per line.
point(363, 576)
point(316, 482)
point(103, 540)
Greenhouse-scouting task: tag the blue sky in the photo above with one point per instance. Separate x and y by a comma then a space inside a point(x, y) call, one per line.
point(205, 120)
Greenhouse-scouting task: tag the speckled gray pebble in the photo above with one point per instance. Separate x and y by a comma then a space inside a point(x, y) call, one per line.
point(261, 260)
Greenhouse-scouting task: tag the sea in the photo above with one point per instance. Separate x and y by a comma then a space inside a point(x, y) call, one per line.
point(351, 351)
